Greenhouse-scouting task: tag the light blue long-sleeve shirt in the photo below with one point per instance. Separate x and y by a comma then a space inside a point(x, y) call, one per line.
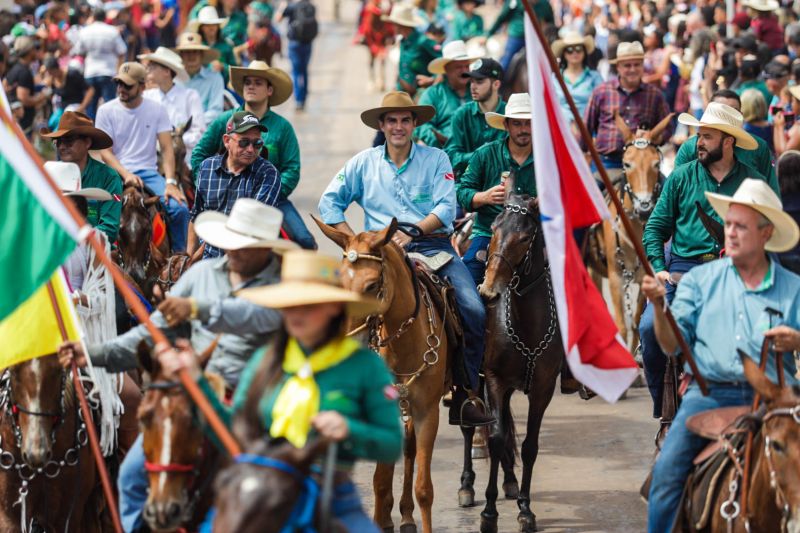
point(423, 185)
point(210, 86)
point(581, 91)
point(717, 314)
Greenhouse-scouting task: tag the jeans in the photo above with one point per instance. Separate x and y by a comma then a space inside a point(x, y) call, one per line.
point(133, 486)
point(653, 358)
point(178, 222)
point(105, 88)
point(470, 305)
point(475, 258)
point(513, 45)
point(294, 225)
point(300, 55)
point(680, 448)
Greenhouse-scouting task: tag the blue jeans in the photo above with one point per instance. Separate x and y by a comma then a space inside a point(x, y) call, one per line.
point(294, 225)
point(513, 45)
point(470, 305)
point(300, 55)
point(105, 88)
point(133, 487)
point(178, 222)
point(680, 448)
point(475, 258)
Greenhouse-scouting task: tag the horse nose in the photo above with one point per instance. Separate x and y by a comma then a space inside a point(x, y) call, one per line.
point(173, 511)
point(162, 515)
point(37, 458)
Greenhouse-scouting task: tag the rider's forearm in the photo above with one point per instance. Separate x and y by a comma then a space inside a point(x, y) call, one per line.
point(345, 228)
point(111, 160)
point(165, 140)
point(664, 334)
point(191, 241)
point(429, 224)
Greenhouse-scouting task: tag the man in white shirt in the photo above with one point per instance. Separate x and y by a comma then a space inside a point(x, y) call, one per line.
point(103, 50)
point(164, 68)
point(136, 125)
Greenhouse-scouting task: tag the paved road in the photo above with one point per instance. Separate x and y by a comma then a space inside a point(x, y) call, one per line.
point(593, 455)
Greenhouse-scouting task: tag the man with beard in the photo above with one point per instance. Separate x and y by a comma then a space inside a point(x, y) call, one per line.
point(468, 127)
point(482, 188)
point(716, 170)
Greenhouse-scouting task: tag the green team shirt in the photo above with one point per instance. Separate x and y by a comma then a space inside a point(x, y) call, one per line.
point(103, 215)
point(280, 141)
point(236, 28)
point(446, 101)
point(513, 13)
point(483, 172)
point(760, 158)
point(416, 51)
point(226, 56)
point(465, 28)
point(675, 214)
point(468, 132)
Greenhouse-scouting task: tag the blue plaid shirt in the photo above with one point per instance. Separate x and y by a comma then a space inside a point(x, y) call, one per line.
point(218, 189)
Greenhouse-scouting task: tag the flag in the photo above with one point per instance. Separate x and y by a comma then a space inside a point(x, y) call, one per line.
point(569, 198)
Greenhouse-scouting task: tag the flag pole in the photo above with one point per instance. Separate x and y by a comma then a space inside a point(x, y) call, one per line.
point(189, 384)
point(612, 193)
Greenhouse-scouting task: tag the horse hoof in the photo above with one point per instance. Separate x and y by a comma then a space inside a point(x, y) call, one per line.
point(389, 529)
point(466, 497)
point(511, 490)
point(408, 528)
point(480, 452)
point(527, 523)
point(488, 524)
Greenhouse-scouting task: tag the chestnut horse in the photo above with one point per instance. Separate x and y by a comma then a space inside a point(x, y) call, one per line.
point(524, 350)
point(411, 339)
point(47, 471)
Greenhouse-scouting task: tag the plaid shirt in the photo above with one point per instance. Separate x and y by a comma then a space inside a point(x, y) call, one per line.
point(645, 107)
point(218, 189)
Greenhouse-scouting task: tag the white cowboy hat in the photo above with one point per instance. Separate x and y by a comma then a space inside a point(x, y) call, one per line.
point(280, 81)
point(725, 119)
point(207, 15)
point(251, 224)
point(68, 178)
point(762, 5)
point(573, 38)
point(518, 107)
point(166, 57)
point(403, 15)
point(193, 42)
point(757, 195)
point(628, 51)
point(452, 51)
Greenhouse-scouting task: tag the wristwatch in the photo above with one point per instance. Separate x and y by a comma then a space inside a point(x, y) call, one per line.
point(172, 181)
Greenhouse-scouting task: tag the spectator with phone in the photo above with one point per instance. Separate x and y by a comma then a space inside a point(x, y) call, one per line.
point(786, 131)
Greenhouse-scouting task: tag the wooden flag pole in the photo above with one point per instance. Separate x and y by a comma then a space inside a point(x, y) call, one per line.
point(612, 193)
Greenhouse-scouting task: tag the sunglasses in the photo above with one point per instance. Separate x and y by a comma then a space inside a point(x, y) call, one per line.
point(244, 143)
point(124, 85)
point(67, 140)
point(573, 49)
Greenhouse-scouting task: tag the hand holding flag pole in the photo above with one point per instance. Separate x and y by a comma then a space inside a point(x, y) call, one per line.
point(684, 347)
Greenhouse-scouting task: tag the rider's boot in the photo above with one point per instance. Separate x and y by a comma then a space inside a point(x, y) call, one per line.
point(468, 410)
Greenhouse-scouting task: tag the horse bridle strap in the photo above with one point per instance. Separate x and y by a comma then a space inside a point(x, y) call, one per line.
point(163, 385)
point(155, 468)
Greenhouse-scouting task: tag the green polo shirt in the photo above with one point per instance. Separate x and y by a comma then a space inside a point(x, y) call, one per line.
point(759, 85)
point(483, 173)
point(468, 132)
point(760, 158)
point(675, 214)
point(103, 215)
point(465, 28)
point(445, 100)
point(280, 141)
point(416, 51)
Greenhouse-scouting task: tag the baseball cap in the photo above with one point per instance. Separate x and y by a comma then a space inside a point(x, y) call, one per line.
point(746, 42)
point(131, 73)
point(241, 121)
point(776, 69)
point(483, 68)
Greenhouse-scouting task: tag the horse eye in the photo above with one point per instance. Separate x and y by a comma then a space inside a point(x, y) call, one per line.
point(626, 165)
point(777, 447)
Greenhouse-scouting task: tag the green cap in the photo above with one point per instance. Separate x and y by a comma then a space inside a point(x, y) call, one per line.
point(241, 121)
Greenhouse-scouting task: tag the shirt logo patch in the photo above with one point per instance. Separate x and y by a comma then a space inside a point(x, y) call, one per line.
point(390, 392)
point(449, 176)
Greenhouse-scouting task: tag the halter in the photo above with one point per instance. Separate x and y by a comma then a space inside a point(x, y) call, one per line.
point(177, 468)
point(780, 498)
point(641, 211)
point(167, 284)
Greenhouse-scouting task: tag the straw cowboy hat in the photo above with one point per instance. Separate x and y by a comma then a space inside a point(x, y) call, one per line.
point(518, 107)
point(762, 5)
point(192, 42)
point(207, 15)
point(404, 15)
point(573, 39)
point(167, 58)
point(452, 51)
point(628, 51)
point(309, 278)
point(397, 101)
point(251, 224)
point(280, 81)
point(757, 195)
point(794, 90)
point(725, 119)
point(68, 178)
point(77, 123)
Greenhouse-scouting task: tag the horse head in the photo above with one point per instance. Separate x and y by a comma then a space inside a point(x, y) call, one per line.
point(178, 146)
point(135, 233)
point(173, 268)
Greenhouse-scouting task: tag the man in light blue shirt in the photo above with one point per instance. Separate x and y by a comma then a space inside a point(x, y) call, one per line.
point(202, 78)
point(414, 184)
point(722, 306)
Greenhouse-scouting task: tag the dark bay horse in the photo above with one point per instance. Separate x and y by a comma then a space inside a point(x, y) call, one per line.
point(47, 471)
point(523, 350)
point(175, 266)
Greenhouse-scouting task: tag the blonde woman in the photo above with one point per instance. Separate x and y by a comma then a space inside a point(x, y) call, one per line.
point(754, 111)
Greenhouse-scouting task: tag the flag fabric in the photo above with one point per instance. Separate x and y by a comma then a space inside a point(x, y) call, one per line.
point(569, 198)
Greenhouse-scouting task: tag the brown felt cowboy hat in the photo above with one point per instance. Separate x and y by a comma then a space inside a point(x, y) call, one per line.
point(280, 81)
point(76, 123)
point(397, 101)
point(192, 42)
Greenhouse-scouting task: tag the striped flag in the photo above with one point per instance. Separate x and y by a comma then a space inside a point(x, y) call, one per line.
point(569, 198)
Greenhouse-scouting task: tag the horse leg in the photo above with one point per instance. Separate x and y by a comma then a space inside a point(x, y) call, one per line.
point(466, 494)
point(640, 300)
point(384, 500)
point(407, 499)
point(496, 448)
point(508, 459)
point(617, 296)
point(426, 427)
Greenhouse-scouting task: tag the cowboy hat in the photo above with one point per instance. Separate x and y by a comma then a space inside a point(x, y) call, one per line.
point(309, 278)
point(725, 119)
point(573, 39)
point(280, 81)
point(762, 5)
point(77, 123)
point(757, 195)
point(404, 15)
point(207, 15)
point(518, 107)
point(192, 42)
point(167, 58)
point(397, 101)
point(628, 51)
point(794, 90)
point(452, 51)
point(251, 224)
point(68, 178)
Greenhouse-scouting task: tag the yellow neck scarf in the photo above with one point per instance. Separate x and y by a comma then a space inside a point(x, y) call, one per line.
point(298, 400)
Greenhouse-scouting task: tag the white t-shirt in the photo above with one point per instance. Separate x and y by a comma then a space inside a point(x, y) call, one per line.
point(101, 45)
point(181, 104)
point(134, 131)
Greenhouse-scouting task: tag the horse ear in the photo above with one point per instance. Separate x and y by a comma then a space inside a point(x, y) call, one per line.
point(339, 237)
point(510, 184)
point(197, 255)
point(382, 238)
point(148, 363)
point(654, 135)
point(623, 128)
point(157, 257)
point(760, 382)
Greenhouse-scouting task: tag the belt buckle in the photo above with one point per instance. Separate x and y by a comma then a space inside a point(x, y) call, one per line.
point(705, 258)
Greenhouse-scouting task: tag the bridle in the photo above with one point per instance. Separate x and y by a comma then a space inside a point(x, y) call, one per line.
point(780, 498)
point(166, 284)
point(170, 468)
point(641, 210)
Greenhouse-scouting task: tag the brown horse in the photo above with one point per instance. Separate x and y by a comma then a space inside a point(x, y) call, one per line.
point(410, 337)
point(47, 472)
point(174, 267)
point(523, 350)
point(182, 171)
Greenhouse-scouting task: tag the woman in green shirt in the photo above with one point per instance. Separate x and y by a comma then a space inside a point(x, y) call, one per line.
point(209, 25)
point(466, 23)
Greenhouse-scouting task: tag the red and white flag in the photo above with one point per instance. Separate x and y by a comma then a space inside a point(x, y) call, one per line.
point(569, 198)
